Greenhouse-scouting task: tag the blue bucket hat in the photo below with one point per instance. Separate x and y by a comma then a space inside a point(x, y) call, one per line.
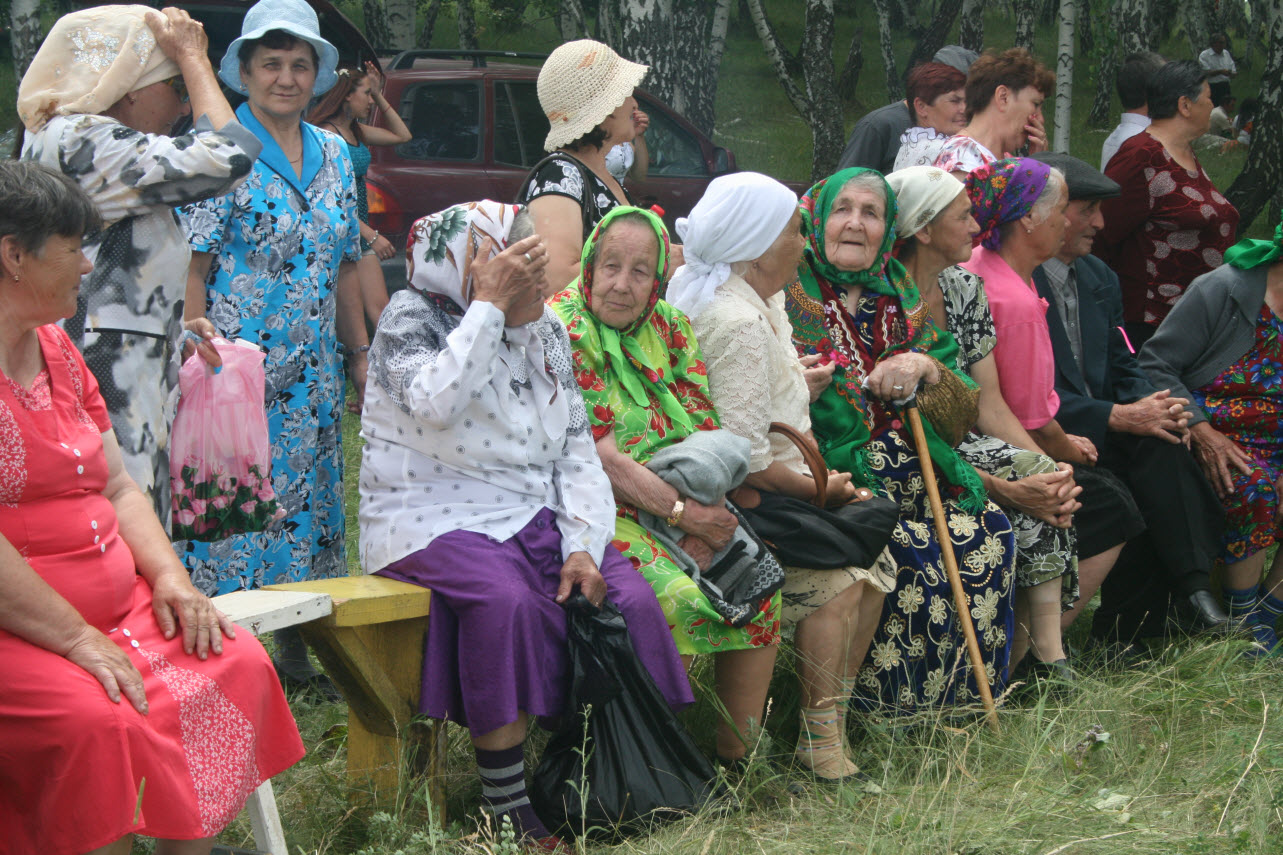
point(298, 19)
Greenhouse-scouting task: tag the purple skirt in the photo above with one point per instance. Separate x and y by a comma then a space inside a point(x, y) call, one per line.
point(497, 638)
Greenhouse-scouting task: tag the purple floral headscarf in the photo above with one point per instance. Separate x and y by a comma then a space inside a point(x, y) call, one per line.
point(1003, 191)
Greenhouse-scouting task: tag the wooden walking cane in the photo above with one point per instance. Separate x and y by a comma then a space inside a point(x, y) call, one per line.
point(950, 561)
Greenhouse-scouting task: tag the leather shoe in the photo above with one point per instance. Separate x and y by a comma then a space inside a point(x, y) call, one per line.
point(1201, 612)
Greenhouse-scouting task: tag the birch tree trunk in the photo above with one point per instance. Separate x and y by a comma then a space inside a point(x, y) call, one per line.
point(429, 24)
point(895, 87)
point(24, 34)
point(467, 25)
point(376, 24)
point(1132, 17)
point(400, 21)
point(937, 31)
point(818, 104)
point(854, 65)
point(1065, 73)
point(571, 22)
point(1262, 175)
point(1026, 12)
point(971, 30)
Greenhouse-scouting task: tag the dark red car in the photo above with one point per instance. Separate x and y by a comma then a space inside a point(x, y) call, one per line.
point(478, 128)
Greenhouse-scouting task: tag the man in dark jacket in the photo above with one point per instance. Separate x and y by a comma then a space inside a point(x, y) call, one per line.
point(1140, 432)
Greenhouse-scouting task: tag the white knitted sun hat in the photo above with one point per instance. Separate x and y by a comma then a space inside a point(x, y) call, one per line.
point(580, 84)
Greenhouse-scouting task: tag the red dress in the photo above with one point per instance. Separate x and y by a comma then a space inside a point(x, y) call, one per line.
point(1168, 226)
point(72, 763)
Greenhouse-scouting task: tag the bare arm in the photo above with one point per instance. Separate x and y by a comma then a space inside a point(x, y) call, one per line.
point(641, 155)
point(559, 220)
point(1059, 445)
point(351, 326)
point(184, 41)
point(996, 418)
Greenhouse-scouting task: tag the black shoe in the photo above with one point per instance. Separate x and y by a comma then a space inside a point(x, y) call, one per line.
point(1055, 678)
point(1201, 612)
point(316, 687)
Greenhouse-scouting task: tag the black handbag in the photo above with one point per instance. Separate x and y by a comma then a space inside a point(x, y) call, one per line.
point(807, 534)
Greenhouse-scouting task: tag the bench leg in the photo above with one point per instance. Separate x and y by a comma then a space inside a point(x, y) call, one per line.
point(269, 836)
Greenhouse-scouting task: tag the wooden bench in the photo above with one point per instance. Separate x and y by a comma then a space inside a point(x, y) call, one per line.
point(371, 645)
point(260, 612)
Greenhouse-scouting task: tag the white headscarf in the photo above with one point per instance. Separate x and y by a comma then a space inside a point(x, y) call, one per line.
point(922, 192)
point(738, 218)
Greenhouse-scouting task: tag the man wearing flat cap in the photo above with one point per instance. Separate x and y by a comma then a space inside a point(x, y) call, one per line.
point(1139, 431)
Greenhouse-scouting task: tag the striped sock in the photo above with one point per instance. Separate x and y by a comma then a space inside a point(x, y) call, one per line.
point(1270, 604)
point(843, 706)
point(1246, 604)
point(819, 744)
point(503, 790)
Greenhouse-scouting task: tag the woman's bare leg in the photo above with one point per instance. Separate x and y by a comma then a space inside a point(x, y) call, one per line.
point(743, 680)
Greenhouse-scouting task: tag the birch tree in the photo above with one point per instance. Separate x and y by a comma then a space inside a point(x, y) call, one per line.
point(429, 24)
point(24, 33)
point(1066, 17)
point(400, 22)
point(1262, 175)
point(376, 24)
point(1026, 19)
point(818, 103)
point(895, 87)
point(936, 32)
point(971, 29)
point(681, 40)
point(467, 24)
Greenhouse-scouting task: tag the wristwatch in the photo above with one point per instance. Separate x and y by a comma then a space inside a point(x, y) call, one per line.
point(675, 516)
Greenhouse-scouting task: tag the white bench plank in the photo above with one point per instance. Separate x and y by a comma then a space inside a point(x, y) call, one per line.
point(264, 819)
point(264, 611)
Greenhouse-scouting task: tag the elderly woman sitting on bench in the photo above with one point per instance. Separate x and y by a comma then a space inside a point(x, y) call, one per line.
point(480, 480)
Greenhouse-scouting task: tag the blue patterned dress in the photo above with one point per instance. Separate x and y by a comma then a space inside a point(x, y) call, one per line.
point(277, 242)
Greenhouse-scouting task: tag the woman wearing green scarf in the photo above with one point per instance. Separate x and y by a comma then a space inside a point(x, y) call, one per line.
point(1221, 347)
point(855, 307)
point(645, 388)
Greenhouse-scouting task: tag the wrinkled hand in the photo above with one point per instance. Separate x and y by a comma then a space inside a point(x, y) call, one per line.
point(1218, 454)
point(581, 570)
point(202, 329)
point(509, 280)
point(1036, 131)
point(109, 665)
point(897, 377)
point(712, 524)
point(179, 606)
point(383, 248)
point(818, 377)
point(1051, 497)
point(841, 490)
point(1085, 447)
point(1159, 415)
point(177, 34)
point(699, 551)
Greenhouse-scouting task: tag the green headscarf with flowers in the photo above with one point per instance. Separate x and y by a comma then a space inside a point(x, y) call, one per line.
point(843, 417)
point(1249, 253)
point(643, 370)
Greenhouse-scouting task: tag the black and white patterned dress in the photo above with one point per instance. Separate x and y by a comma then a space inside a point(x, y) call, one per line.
point(563, 175)
point(130, 311)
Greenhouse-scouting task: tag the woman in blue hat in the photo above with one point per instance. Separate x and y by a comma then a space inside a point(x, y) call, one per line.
point(274, 262)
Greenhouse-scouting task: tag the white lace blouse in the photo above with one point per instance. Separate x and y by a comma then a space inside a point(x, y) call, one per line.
point(754, 376)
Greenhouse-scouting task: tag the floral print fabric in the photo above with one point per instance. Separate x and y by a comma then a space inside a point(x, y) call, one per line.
point(1245, 402)
point(668, 342)
point(130, 311)
point(1003, 191)
point(277, 242)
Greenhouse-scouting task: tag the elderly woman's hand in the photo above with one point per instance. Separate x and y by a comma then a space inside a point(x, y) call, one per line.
point(581, 570)
point(897, 377)
point(177, 33)
point(107, 663)
point(818, 377)
point(513, 277)
point(1085, 447)
point(178, 605)
point(198, 335)
point(712, 524)
point(1218, 454)
point(1050, 497)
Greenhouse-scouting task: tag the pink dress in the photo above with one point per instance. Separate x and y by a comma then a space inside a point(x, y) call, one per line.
point(72, 763)
point(1023, 354)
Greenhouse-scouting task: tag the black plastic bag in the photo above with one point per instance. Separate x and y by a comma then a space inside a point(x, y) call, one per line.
point(619, 742)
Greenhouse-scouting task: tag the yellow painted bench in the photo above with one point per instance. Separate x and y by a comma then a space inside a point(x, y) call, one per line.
point(371, 645)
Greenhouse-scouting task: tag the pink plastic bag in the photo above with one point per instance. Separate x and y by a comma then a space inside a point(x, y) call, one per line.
point(220, 463)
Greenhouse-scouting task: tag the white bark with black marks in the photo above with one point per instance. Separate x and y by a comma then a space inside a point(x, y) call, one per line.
point(24, 33)
point(1026, 12)
point(571, 21)
point(1262, 175)
point(377, 32)
point(895, 86)
point(971, 29)
point(934, 36)
point(1067, 19)
point(467, 24)
point(429, 24)
point(400, 22)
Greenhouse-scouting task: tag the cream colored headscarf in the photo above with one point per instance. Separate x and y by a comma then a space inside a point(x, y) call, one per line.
point(90, 60)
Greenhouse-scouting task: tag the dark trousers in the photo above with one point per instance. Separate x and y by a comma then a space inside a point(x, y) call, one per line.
point(1175, 555)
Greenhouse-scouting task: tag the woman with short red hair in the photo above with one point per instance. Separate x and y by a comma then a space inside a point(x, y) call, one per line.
point(936, 94)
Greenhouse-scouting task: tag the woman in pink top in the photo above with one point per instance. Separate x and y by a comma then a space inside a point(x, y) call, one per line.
point(1019, 204)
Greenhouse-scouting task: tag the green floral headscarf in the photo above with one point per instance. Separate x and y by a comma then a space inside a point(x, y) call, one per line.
point(843, 416)
point(1249, 253)
point(640, 369)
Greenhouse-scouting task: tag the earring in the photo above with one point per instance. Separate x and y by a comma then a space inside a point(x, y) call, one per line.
point(1028, 230)
point(15, 277)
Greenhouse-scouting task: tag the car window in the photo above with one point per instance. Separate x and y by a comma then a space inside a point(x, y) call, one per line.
point(520, 126)
point(444, 120)
point(673, 150)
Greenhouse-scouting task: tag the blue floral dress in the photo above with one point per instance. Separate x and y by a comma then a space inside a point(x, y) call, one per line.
point(277, 242)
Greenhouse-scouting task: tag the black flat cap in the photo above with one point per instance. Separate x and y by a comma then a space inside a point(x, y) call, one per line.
point(1084, 180)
